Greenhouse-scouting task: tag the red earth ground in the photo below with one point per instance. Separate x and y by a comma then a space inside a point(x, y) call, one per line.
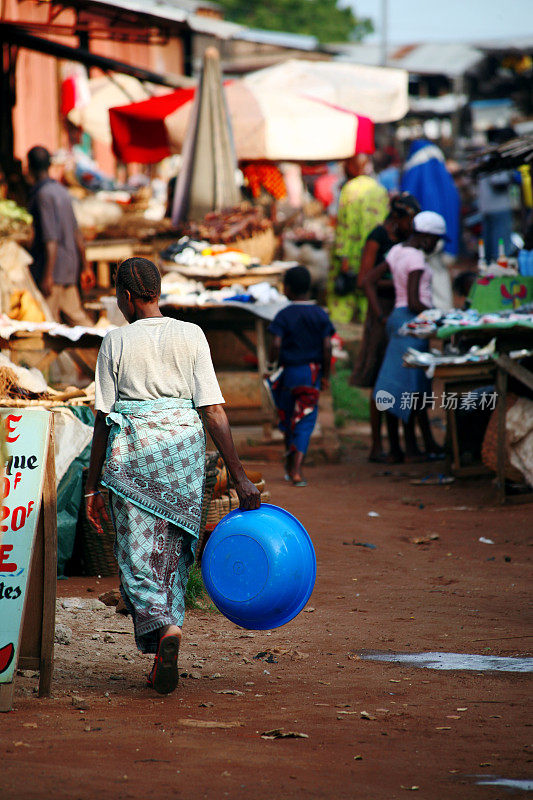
point(102, 734)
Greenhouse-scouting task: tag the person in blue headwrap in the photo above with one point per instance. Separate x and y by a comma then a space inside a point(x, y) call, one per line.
point(425, 177)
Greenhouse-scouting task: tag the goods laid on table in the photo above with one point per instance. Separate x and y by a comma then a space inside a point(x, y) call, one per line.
point(451, 356)
point(14, 220)
point(436, 322)
point(120, 215)
point(20, 386)
point(181, 291)
point(205, 260)
point(244, 227)
point(20, 298)
point(230, 226)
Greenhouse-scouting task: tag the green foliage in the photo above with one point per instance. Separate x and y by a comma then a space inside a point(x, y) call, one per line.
point(321, 18)
point(195, 594)
point(349, 402)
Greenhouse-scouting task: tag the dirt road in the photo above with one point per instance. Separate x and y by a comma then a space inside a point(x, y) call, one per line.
point(376, 730)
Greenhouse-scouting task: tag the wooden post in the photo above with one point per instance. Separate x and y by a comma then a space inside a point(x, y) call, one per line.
point(260, 333)
point(501, 389)
point(37, 625)
point(49, 516)
point(103, 274)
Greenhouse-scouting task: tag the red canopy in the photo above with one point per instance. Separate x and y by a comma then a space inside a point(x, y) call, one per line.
point(139, 131)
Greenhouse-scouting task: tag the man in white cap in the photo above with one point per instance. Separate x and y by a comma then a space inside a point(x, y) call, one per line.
point(400, 390)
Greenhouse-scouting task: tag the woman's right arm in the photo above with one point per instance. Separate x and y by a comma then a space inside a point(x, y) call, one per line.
point(216, 422)
point(369, 285)
point(95, 506)
point(413, 292)
point(368, 260)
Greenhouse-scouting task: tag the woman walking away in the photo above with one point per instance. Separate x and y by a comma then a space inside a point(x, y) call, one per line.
point(396, 228)
point(401, 389)
point(301, 346)
point(155, 384)
point(363, 204)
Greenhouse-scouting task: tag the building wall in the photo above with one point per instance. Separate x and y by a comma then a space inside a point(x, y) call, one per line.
point(36, 116)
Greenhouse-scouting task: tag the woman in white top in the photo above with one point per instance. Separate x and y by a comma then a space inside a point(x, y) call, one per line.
point(155, 385)
point(401, 390)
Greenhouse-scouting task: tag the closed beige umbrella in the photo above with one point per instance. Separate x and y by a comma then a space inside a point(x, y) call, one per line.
point(207, 179)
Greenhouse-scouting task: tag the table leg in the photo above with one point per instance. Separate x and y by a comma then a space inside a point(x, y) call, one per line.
point(6, 696)
point(103, 274)
point(501, 390)
point(260, 333)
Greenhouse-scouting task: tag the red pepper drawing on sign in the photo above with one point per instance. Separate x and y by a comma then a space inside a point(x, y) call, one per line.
point(6, 656)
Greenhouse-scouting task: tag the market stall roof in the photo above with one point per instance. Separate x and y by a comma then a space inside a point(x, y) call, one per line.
point(518, 44)
point(183, 13)
point(443, 105)
point(514, 153)
point(18, 36)
point(451, 60)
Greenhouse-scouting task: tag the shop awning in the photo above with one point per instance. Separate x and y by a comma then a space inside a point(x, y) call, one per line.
point(17, 36)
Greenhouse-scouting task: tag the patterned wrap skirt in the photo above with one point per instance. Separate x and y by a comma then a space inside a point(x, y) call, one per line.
point(155, 472)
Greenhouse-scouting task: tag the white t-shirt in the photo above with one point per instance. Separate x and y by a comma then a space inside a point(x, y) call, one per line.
point(402, 261)
point(153, 358)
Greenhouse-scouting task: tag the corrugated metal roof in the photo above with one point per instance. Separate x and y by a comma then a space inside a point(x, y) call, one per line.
point(151, 8)
point(182, 11)
point(518, 44)
point(295, 41)
point(452, 60)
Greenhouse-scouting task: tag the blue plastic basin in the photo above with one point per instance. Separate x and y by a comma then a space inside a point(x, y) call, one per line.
point(259, 567)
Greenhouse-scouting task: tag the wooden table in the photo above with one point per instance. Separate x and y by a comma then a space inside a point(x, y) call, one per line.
point(508, 338)
point(247, 277)
point(461, 378)
point(239, 322)
point(39, 349)
point(104, 252)
point(464, 377)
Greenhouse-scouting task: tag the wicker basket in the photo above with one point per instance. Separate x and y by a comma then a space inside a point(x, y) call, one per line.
point(97, 554)
point(211, 474)
point(262, 246)
point(489, 451)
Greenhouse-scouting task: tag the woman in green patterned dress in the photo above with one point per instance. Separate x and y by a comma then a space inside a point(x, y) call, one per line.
point(363, 204)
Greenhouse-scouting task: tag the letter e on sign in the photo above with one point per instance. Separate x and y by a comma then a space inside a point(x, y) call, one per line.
point(5, 565)
point(11, 424)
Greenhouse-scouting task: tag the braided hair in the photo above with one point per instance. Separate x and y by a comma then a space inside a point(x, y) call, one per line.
point(404, 204)
point(140, 277)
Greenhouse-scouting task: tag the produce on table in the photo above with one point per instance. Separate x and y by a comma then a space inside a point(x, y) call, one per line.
point(13, 218)
point(231, 225)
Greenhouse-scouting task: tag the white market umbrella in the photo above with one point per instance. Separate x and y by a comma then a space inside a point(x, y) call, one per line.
point(380, 93)
point(277, 126)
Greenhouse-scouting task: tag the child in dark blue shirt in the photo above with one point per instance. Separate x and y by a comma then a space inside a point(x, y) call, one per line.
point(301, 345)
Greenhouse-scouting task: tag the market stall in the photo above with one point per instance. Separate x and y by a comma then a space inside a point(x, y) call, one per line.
point(485, 356)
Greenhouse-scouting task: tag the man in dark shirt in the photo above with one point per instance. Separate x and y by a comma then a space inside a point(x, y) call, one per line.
point(58, 249)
